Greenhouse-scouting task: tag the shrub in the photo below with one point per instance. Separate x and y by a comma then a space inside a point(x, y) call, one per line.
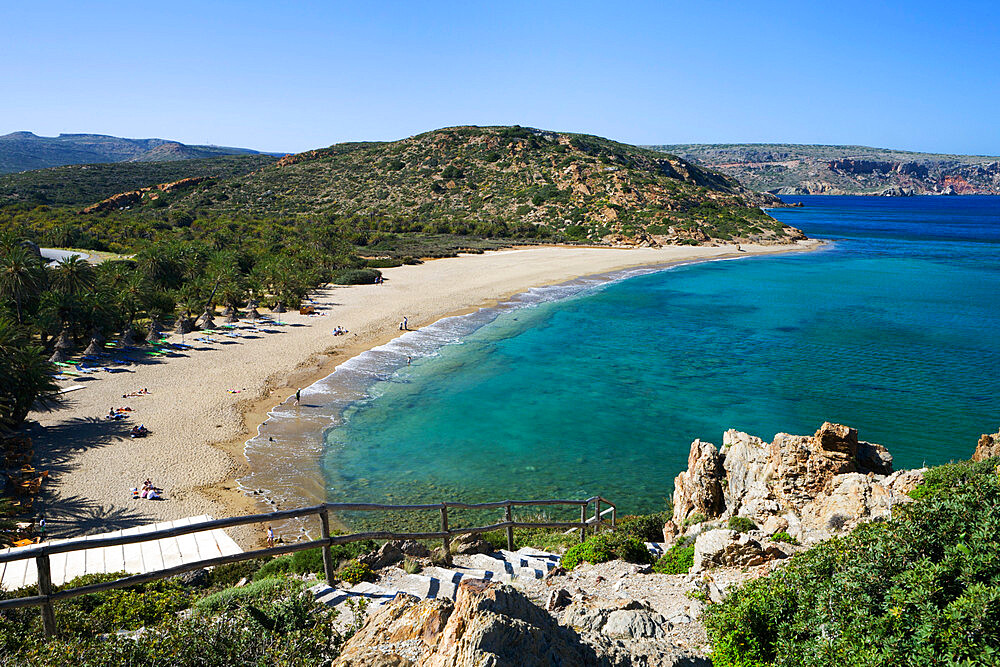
point(693, 519)
point(311, 560)
point(920, 589)
point(355, 572)
point(411, 566)
point(678, 559)
point(383, 263)
point(782, 536)
point(257, 592)
point(230, 574)
point(355, 276)
point(605, 547)
point(741, 524)
point(646, 527)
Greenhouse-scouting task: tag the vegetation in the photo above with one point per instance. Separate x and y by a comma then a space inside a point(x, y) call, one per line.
point(741, 524)
point(311, 561)
point(355, 572)
point(921, 589)
point(782, 536)
point(645, 527)
point(603, 547)
point(678, 559)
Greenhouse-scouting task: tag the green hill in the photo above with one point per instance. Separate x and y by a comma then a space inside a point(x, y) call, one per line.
point(83, 184)
point(23, 151)
point(579, 185)
point(794, 169)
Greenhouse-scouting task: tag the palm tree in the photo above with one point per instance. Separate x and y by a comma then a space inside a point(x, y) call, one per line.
point(73, 275)
point(24, 375)
point(22, 276)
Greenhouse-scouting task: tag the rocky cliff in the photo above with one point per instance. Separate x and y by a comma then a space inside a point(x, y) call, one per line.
point(790, 169)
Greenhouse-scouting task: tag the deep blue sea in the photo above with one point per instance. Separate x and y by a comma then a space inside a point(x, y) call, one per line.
point(599, 388)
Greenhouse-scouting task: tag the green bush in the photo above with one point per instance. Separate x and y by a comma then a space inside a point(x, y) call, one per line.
point(782, 536)
point(605, 547)
point(921, 589)
point(311, 560)
point(383, 263)
point(678, 559)
point(741, 524)
point(693, 519)
point(224, 576)
point(355, 572)
point(355, 276)
point(254, 593)
point(646, 527)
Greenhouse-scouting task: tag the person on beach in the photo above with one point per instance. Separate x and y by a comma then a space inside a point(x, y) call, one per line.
point(270, 536)
point(406, 323)
point(298, 395)
point(408, 360)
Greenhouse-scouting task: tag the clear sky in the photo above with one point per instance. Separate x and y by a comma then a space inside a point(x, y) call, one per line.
point(284, 75)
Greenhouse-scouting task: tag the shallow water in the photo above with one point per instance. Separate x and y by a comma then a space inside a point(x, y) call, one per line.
point(599, 388)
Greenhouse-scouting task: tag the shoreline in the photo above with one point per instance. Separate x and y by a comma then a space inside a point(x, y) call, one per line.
point(464, 285)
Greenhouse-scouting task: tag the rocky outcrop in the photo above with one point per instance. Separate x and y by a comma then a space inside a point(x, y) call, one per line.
point(133, 197)
point(988, 447)
point(728, 548)
point(810, 486)
point(393, 552)
point(493, 624)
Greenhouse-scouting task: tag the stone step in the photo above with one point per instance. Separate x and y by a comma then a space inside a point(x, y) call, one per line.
point(529, 558)
point(657, 548)
point(512, 567)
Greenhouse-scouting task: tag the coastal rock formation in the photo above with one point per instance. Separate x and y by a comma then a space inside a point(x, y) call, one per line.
point(494, 624)
point(811, 486)
point(988, 447)
point(133, 197)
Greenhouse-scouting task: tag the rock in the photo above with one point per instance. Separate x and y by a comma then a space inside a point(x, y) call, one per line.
point(775, 524)
point(558, 599)
point(193, 578)
point(988, 447)
point(635, 624)
point(414, 549)
point(670, 531)
point(388, 554)
point(472, 544)
point(699, 489)
point(728, 548)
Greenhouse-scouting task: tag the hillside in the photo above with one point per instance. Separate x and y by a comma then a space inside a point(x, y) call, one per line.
point(23, 151)
point(580, 185)
point(792, 169)
point(83, 184)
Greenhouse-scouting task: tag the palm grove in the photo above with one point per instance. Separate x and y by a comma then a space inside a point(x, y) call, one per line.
point(62, 307)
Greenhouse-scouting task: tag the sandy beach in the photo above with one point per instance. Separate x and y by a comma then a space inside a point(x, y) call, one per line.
point(199, 425)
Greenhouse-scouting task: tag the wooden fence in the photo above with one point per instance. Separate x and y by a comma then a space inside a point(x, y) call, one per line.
point(46, 596)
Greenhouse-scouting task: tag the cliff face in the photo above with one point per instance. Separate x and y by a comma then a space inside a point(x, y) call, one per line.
point(788, 169)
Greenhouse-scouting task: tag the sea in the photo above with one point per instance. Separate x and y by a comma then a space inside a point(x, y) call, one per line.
point(599, 386)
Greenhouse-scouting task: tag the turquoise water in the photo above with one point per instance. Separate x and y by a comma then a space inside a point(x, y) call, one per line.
point(893, 329)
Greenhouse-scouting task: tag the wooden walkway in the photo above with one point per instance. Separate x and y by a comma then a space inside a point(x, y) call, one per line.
point(132, 558)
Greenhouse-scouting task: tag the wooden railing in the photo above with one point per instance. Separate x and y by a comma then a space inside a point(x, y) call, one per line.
point(41, 553)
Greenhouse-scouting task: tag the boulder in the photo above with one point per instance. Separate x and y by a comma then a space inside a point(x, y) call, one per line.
point(698, 490)
point(728, 548)
point(988, 447)
point(386, 555)
point(472, 544)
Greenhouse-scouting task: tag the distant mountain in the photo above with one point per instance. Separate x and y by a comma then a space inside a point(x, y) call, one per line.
point(473, 177)
point(794, 169)
point(23, 151)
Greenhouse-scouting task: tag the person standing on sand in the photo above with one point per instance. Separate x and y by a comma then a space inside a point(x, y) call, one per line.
point(270, 536)
point(298, 395)
point(406, 323)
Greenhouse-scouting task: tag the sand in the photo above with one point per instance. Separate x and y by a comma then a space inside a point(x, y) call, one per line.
point(199, 428)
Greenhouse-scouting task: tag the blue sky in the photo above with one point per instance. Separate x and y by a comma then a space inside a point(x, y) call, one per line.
point(289, 76)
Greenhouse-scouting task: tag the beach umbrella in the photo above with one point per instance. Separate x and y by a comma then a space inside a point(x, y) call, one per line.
point(94, 347)
point(58, 355)
point(97, 335)
point(253, 314)
point(128, 338)
point(278, 308)
point(65, 341)
point(227, 311)
point(231, 317)
point(205, 317)
point(183, 325)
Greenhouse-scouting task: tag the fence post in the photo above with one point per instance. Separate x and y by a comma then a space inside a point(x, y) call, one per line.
point(444, 528)
point(45, 588)
point(614, 516)
point(597, 515)
point(508, 517)
point(324, 517)
point(583, 523)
